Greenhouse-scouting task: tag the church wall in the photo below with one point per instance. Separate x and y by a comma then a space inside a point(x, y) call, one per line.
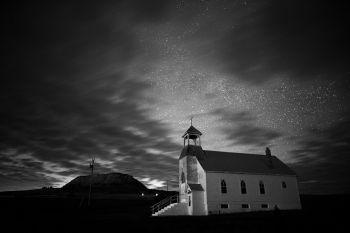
point(183, 186)
point(194, 173)
point(198, 203)
point(274, 193)
point(192, 169)
point(203, 182)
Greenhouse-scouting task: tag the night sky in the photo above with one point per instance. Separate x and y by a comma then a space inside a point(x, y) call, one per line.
point(120, 81)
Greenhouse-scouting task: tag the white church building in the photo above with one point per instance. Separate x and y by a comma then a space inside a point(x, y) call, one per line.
point(214, 182)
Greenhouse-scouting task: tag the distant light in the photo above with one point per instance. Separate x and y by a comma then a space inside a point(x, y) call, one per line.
point(156, 194)
point(142, 194)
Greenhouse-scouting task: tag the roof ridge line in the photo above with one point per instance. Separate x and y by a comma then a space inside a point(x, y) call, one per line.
point(226, 152)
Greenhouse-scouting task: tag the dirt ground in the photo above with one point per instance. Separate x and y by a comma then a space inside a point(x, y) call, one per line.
point(50, 214)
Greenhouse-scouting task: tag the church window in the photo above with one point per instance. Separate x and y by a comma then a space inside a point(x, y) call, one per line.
point(223, 186)
point(183, 177)
point(189, 200)
point(284, 184)
point(264, 206)
point(261, 187)
point(245, 206)
point(224, 206)
point(243, 187)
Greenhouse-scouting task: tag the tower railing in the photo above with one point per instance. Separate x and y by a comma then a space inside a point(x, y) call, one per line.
point(164, 203)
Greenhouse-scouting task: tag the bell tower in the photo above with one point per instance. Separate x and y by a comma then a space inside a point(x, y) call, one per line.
point(192, 136)
point(191, 174)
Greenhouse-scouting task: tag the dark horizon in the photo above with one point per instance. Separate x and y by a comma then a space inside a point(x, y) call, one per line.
point(120, 81)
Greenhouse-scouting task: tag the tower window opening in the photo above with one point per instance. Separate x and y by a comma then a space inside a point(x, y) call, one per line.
point(183, 180)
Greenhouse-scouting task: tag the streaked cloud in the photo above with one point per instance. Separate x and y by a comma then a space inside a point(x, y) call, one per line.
point(119, 81)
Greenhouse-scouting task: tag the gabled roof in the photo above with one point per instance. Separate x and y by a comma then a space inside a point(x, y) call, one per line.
point(193, 131)
point(196, 187)
point(216, 161)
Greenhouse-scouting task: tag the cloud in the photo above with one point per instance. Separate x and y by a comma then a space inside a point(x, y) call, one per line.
point(252, 135)
point(68, 94)
point(153, 184)
point(241, 129)
point(323, 156)
point(74, 82)
point(90, 126)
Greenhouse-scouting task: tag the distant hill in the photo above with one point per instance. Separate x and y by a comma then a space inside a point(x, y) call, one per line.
point(104, 186)
point(106, 183)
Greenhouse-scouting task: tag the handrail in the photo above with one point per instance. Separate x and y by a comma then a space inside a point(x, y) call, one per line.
point(164, 203)
point(165, 199)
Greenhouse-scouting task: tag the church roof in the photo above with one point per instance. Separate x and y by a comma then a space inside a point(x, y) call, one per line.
point(196, 187)
point(192, 130)
point(216, 161)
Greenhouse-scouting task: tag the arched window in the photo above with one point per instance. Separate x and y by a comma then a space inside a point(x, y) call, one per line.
point(183, 177)
point(261, 187)
point(223, 186)
point(284, 184)
point(243, 187)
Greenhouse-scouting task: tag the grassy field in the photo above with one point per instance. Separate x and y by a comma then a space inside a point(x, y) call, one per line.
point(65, 214)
